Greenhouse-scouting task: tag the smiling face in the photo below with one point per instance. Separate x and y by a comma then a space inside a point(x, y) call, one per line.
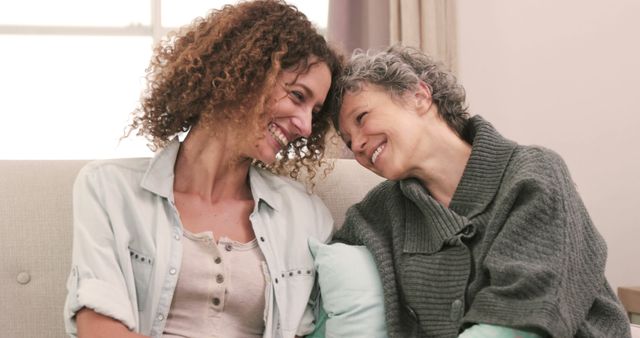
point(297, 97)
point(383, 134)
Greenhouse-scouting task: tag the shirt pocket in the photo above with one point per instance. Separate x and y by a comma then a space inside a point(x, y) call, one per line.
point(301, 273)
point(142, 265)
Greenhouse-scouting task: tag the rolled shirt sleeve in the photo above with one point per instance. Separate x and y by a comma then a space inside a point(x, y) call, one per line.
point(96, 280)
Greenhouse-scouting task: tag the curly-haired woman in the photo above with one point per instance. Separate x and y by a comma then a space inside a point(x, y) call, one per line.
point(205, 239)
point(474, 235)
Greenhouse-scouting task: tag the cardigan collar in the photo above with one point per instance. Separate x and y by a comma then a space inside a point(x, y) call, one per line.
point(481, 179)
point(428, 224)
point(490, 154)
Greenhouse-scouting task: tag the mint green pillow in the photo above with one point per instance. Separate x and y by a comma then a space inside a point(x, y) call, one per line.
point(351, 292)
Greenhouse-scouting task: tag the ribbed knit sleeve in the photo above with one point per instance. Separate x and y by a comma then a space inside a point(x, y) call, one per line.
point(546, 259)
point(376, 223)
point(365, 221)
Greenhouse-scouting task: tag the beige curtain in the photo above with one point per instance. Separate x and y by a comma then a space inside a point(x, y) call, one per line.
point(425, 24)
point(360, 24)
point(429, 25)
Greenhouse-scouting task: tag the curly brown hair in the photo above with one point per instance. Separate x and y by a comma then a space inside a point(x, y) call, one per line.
point(218, 72)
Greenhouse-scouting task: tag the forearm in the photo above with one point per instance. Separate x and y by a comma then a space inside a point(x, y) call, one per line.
point(94, 325)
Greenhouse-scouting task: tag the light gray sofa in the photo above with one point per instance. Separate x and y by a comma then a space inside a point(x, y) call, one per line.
point(35, 232)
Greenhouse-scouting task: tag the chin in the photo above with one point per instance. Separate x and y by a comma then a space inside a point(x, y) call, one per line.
point(266, 154)
point(391, 174)
point(266, 160)
point(377, 172)
point(269, 162)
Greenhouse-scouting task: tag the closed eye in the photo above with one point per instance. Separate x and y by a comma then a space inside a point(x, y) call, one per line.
point(297, 95)
point(360, 116)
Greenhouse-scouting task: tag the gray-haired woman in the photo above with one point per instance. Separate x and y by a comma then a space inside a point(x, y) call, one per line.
point(472, 232)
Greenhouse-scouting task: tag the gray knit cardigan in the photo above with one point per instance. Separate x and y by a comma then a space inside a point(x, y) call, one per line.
point(516, 247)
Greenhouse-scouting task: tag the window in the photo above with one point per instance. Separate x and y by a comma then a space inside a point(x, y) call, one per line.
point(73, 71)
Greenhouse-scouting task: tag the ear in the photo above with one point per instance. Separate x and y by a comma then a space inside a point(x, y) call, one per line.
point(423, 97)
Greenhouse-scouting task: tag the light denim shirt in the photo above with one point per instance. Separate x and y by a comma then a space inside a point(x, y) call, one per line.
point(127, 245)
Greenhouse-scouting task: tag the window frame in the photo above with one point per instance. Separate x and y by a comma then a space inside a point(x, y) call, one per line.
point(155, 29)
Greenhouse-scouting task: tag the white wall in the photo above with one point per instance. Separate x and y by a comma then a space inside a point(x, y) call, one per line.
point(566, 75)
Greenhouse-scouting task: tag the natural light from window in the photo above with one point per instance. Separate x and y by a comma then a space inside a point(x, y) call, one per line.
point(73, 70)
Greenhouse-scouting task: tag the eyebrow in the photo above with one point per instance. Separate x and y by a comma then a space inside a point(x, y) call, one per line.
point(357, 108)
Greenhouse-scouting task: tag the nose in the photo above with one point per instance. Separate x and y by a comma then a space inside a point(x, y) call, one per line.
point(302, 122)
point(358, 143)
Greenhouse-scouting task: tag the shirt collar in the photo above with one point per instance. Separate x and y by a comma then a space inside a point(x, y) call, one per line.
point(160, 175)
point(265, 188)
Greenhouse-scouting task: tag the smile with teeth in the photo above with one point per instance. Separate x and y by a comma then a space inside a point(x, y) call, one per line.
point(376, 153)
point(278, 135)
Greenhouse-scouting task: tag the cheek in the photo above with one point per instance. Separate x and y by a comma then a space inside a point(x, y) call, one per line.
point(273, 108)
point(281, 108)
point(375, 129)
point(362, 161)
point(276, 101)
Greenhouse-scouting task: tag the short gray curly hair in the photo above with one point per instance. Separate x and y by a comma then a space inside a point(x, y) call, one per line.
point(398, 70)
